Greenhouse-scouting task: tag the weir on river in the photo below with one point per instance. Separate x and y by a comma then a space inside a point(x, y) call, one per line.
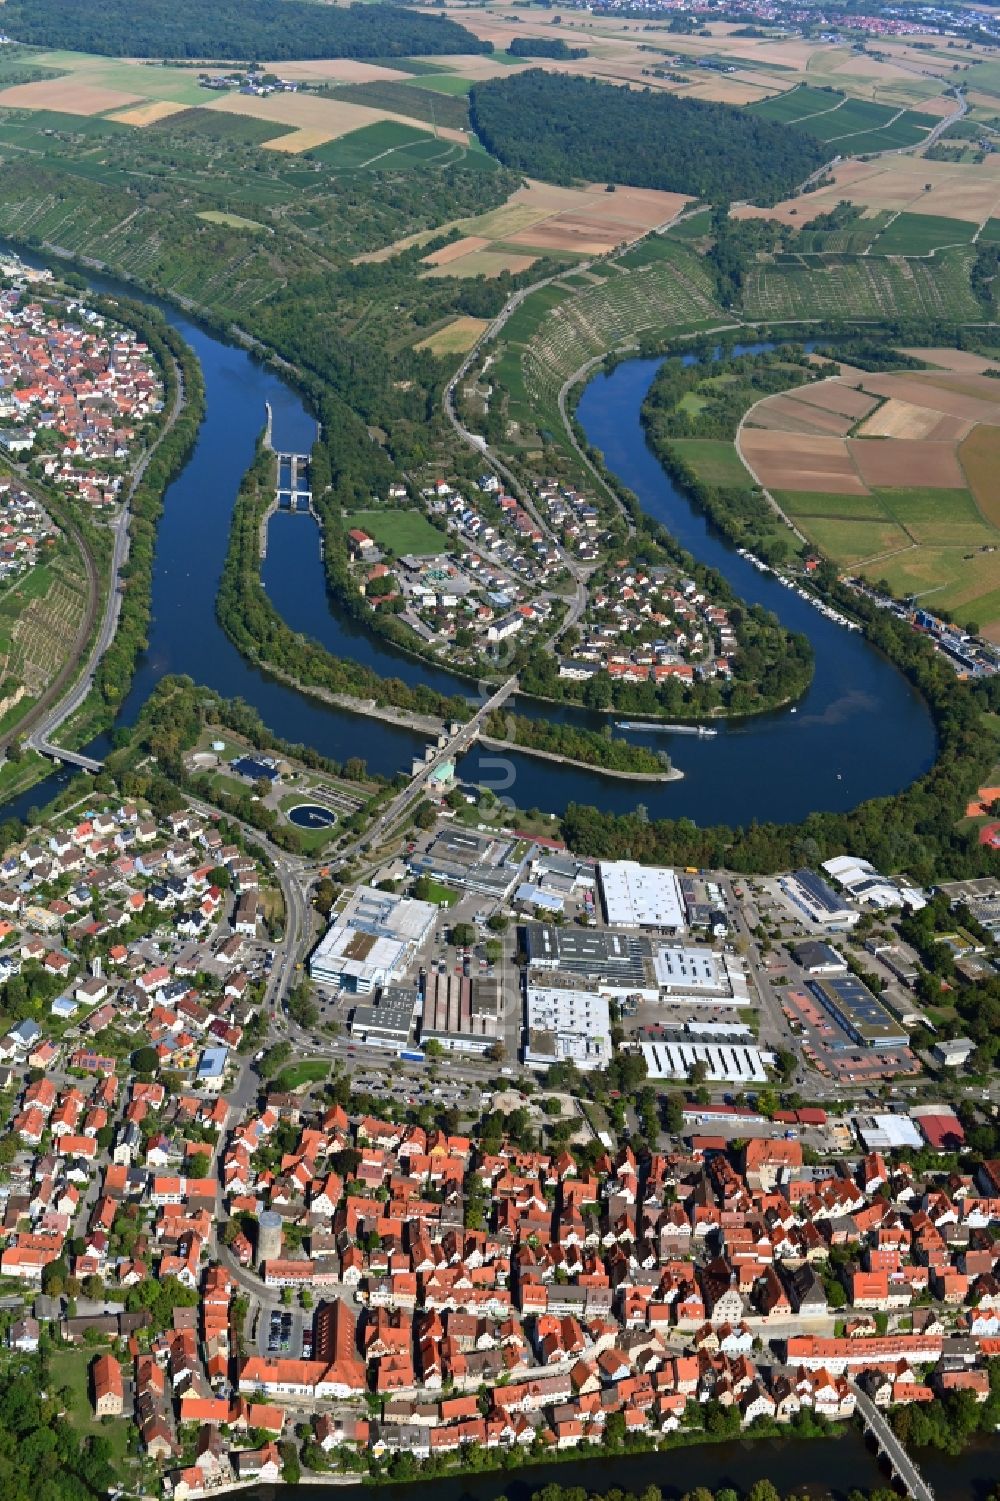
point(860, 730)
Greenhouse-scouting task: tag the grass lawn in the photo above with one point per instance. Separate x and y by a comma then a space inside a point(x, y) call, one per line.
point(309, 1071)
point(442, 895)
point(401, 532)
point(71, 1369)
point(310, 840)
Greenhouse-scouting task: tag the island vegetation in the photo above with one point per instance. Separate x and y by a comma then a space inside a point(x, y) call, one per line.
point(240, 29)
point(563, 128)
point(572, 742)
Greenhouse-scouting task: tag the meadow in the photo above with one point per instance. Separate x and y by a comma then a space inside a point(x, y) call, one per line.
point(401, 532)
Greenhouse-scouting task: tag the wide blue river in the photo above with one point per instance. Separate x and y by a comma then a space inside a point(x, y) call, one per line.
point(859, 731)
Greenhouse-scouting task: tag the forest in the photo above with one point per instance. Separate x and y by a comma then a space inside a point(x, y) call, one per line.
point(562, 128)
point(544, 46)
point(239, 29)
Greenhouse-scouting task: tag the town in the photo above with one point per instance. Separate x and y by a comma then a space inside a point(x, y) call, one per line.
point(249, 1214)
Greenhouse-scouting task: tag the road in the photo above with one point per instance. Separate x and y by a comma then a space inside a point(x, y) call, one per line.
point(40, 737)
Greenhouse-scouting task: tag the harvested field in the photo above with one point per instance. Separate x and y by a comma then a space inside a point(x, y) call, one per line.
point(297, 141)
point(897, 183)
point(907, 463)
point(790, 461)
point(456, 250)
point(337, 70)
point(792, 416)
point(979, 456)
point(900, 419)
point(148, 114)
point(487, 263)
point(455, 338)
point(332, 117)
point(66, 97)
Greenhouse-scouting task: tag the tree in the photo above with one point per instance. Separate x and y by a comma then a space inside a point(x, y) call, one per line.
point(463, 934)
point(673, 1114)
point(699, 1072)
point(145, 1060)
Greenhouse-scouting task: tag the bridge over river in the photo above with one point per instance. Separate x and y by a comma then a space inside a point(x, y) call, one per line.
point(890, 1448)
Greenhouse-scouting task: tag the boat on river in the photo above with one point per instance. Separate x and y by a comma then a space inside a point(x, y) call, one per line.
point(701, 730)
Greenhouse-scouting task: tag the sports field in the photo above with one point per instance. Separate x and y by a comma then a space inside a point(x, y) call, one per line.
point(402, 531)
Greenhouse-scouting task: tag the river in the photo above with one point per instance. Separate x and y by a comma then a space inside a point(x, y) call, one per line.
point(819, 1468)
point(859, 731)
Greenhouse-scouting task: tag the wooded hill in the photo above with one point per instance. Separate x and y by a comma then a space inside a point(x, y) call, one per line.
point(239, 29)
point(562, 128)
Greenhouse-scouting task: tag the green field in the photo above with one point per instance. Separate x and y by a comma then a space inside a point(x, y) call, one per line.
point(234, 221)
point(990, 232)
point(361, 147)
point(921, 541)
point(445, 83)
point(920, 234)
point(401, 532)
point(415, 100)
point(797, 104)
point(714, 460)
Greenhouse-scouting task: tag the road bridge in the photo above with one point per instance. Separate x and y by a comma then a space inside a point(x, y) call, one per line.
point(889, 1447)
point(65, 757)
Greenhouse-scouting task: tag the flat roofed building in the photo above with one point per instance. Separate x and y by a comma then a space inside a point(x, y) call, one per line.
point(700, 976)
point(641, 896)
point(818, 958)
point(567, 1026)
point(862, 1017)
point(870, 888)
point(952, 1052)
point(389, 1021)
point(617, 963)
point(372, 937)
point(473, 862)
point(809, 894)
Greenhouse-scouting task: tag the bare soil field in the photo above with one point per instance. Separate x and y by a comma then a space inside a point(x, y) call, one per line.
point(785, 412)
point(456, 250)
point(832, 396)
point(937, 393)
point(790, 461)
point(980, 458)
point(963, 361)
point(66, 97)
point(932, 465)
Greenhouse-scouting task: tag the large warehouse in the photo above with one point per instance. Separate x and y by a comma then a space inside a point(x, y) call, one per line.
point(641, 896)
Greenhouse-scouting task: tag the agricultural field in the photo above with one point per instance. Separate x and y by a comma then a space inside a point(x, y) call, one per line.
point(848, 126)
point(40, 618)
point(405, 98)
point(456, 337)
point(714, 460)
point(921, 234)
point(908, 494)
point(401, 532)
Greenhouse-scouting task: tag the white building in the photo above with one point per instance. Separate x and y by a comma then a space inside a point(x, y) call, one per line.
point(641, 896)
point(863, 882)
point(727, 1051)
point(567, 1025)
point(694, 976)
point(371, 939)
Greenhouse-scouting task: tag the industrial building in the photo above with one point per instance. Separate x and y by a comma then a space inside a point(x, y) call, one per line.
point(616, 963)
point(818, 958)
point(389, 1022)
point(887, 1133)
point(817, 901)
point(567, 1026)
point(862, 1017)
point(471, 862)
point(700, 976)
point(727, 1051)
point(863, 882)
point(464, 1015)
point(372, 937)
point(641, 896)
